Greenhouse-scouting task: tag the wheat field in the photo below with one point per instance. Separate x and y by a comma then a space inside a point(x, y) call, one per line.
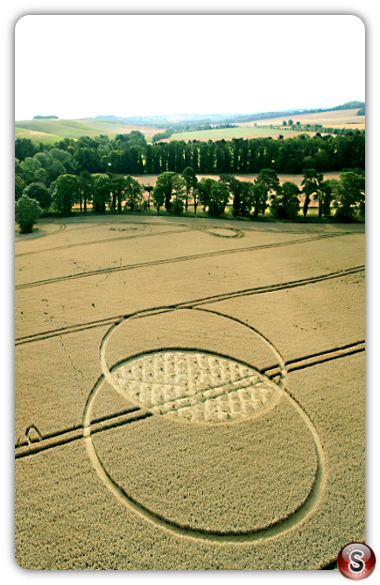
point(189, 394)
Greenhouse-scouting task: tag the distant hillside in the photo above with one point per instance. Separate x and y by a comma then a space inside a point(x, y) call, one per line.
point(169, 120)
point(49, 130)
point(287, 113)
point(181, 121)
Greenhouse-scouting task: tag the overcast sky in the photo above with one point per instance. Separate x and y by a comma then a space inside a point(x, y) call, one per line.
point(84, 66)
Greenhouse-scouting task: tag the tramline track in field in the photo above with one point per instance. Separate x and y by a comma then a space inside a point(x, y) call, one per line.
point(31, 446)
point(215, 298)
point(190, 257)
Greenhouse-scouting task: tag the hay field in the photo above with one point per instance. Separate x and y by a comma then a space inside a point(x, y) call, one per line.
point(329, 119)
point(179, 391)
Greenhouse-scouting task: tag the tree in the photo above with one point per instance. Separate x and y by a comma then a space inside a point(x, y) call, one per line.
point(234, 187)
point(328, 191)
point(242, 193)
point(311, 184)
point(285, 204)
point(218, 198)
point(214, 195)
point(204, 191)
point(259, 198)
point(85, 189)
point(102, 192)
point(65, 158)
point(158, 198)
point(168, 184)
point(246, 198)
point(133, 192)
point(65, 193)
point(195, 197)
point(191, 181)
point(19, 186)
point(269, 180)
point(117, 190)
point(86, 158)
point(40, 193)
point(55, 170)
point(27, 211)
point(149, 190)
point(350, 196)
point(41, 176)
point(24, 148)
point(29, 167)
point(178, 193)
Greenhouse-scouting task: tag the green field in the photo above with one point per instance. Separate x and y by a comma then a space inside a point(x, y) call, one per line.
point(237, 132)
point(52, 130)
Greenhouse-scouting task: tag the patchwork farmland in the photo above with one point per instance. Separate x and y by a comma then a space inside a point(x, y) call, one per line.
point(179, 390)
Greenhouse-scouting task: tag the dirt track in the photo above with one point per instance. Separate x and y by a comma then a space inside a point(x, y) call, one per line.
point(179, 393)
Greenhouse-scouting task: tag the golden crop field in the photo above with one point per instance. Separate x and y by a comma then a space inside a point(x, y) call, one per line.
point(189, 393)
point(329, 119)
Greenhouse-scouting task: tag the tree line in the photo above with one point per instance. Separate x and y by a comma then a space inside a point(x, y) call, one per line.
point(130, 154)
point(99, 171)
point(177, 193)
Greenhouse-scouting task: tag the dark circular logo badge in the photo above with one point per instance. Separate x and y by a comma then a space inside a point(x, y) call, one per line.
point(356, 561)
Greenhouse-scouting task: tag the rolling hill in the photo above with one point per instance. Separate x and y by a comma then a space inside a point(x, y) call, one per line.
point(192, 127)
point(52, 130)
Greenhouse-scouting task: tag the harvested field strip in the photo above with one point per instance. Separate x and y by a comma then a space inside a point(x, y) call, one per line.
point(196, 302)
point(171, 261)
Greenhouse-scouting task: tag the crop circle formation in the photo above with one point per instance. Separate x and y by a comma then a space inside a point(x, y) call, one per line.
point(187, 385)
point(194, 386)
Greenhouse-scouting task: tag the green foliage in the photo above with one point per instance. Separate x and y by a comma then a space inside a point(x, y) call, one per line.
point(40, 193)
point(190, 178)
point(101, 192)
point(65, 193)
point(350, 196)
point(19, 187)
point(128, 154)
point(285, 204)
point(27, 211)
point(85, 189)
point(168, 185)
point(328, 192)
point(133, 192)
point(311, 183)
point(24, 148)
point(259, 199)
point(214, 195)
